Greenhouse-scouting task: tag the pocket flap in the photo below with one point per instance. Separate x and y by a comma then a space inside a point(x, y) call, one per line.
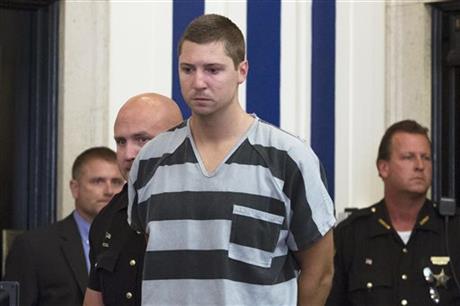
point(366, 281)
point(107, 260)
point(257, 214)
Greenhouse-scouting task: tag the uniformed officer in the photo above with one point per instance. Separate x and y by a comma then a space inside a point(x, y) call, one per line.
point(116, 251)
point(393, 253)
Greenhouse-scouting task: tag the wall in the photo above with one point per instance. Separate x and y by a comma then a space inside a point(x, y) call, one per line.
point(83, 87)
point(360, 98)
point(408, 62)
point(140, 56)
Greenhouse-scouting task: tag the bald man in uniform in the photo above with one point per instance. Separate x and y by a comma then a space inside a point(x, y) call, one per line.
point(116, 250)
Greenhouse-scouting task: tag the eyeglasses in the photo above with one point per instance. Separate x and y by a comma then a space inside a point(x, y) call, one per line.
point(433, 291)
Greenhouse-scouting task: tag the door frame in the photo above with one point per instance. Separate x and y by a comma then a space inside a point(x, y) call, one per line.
point(37, 206)
point(444, 126)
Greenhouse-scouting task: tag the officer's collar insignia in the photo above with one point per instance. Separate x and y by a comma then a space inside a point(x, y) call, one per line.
point(440, 260)
point(384, 224)
point(108, 235)
point(424, 220)
point(441, 279)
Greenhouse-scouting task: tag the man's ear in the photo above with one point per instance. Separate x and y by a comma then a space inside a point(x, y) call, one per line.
point(382, 167)
point(74, 188)
point(243, 69)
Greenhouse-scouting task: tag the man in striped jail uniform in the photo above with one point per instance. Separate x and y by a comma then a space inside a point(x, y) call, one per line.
point(235, 209)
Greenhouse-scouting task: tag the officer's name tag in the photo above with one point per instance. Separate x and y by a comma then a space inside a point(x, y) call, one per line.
point(440, 260)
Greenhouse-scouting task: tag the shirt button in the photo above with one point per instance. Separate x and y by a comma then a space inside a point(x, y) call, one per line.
point(369, 285)
point(404, 251)
point(404, 276)
point(129, 295)
point(132, 262)
point(404, 302)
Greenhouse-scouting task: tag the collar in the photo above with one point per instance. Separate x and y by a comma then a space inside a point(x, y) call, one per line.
point(120, 200)
point(427, 219)
point(82, 224)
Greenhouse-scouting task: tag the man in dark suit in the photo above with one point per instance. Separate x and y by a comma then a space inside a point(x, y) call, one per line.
point(51, 264)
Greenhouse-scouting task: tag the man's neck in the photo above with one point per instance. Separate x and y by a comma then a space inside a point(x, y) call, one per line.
point(403, 210)
point(229, 124)
point(215, 136)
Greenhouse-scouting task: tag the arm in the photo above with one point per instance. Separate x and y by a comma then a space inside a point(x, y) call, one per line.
point(92, 298)
point(316, 271)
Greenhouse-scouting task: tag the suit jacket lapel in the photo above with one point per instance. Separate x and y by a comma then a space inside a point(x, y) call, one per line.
point(72, 249)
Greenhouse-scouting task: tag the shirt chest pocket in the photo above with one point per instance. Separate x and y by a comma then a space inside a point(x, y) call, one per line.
point(370, 286)
point(107, 260)
point(254, 235)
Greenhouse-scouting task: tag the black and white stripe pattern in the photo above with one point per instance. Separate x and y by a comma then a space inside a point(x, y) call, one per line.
point(231, 231)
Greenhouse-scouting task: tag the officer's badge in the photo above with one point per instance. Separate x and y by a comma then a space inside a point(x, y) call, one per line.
point(441, 279)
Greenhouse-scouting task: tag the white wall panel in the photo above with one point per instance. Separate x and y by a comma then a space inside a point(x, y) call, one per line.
point(140, 51)
point(295, 90)
point(360, 97)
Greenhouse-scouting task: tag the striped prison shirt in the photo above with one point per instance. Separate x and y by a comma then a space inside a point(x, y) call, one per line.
point(226, 237)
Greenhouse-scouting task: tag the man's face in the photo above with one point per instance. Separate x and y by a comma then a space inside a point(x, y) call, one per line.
point(134, 127)
point(208, 78)
point(98, 182)
point(409, 168)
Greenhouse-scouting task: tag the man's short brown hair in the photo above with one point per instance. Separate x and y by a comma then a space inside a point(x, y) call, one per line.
point(102, 153)
point(405, 126)
point(216, 28)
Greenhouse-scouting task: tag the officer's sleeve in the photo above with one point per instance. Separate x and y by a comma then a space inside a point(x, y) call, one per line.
point(93, 281)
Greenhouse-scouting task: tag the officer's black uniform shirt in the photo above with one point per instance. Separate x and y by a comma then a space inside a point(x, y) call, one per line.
point(116, 254)
point(374, 267)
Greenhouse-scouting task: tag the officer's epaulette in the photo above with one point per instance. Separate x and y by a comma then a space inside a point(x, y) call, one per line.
point(358, 214)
